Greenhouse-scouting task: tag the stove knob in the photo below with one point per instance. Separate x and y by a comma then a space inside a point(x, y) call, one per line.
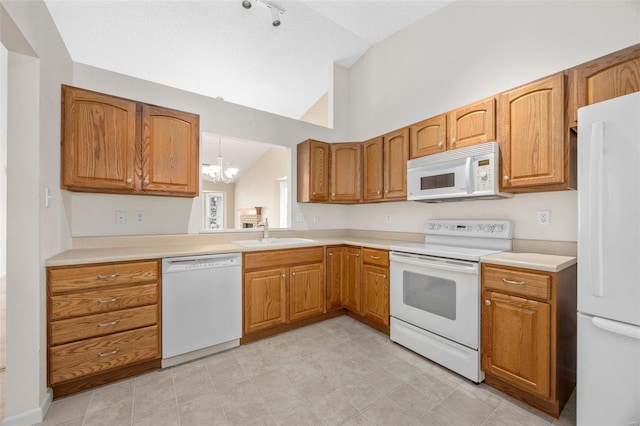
point(430, 226)
point(483, 175)
point(499, 228)
point(487, 228)
point(438, 227)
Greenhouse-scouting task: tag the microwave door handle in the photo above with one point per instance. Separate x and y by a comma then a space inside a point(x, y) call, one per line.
point(467, 172)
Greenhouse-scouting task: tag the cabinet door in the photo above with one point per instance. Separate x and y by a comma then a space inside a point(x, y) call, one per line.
point(614, 75)
point(264, 299)
point(306, 291)
point(352, 297)
point(428, 136)
point(313, 171)
point(373, 165)
point(516, 335)
point(472, 124)
point(346, 172)
point(375, 293)
point(396, 155)
point(334, 276)
point(531, 135)
point(98, 142)
point(170, 152)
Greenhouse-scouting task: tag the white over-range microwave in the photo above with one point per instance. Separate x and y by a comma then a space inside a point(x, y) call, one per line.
point(461, 174)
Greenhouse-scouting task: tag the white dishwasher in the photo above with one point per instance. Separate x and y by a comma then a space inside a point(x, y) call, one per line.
point(201, 306)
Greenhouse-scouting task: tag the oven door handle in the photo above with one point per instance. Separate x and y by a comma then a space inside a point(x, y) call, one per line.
point(435, 263)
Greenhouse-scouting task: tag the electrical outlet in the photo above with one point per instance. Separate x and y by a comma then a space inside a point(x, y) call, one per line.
point(139, 216)
point(387, 218)
point(299, 217)
point(121, 217)
point(543, 217)
point(316, 218)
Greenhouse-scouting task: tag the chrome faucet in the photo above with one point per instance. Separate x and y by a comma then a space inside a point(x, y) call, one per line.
point(265, 229)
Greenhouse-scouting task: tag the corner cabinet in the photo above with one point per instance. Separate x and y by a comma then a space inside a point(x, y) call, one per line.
point(116, 145)
point(529, 334)
point(534, 147)
point(103, 323)
point(384, 160)
point(313, 171)
point(281, 287)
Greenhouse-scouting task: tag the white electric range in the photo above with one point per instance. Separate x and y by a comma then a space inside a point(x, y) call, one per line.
point(435, 291)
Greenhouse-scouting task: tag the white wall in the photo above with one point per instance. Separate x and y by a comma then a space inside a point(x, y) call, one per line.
point(258, 186)
point(37, 64)
point(3, 160)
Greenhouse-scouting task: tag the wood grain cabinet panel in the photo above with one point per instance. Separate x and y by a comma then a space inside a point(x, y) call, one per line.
point(103, 323)
point(265, 300)
point(608, 77)
point(472, 124)
point(346, 172)
point(334, 267)
point(170, 151)
point(352, 279)
point(428, 136)
point(528, 329)
point(313, 171)
point(306, 291)
point(534, 149)
point(116, 145)
point(375, 293)
point(98, 141)
point(396, 155)
point(373, 169)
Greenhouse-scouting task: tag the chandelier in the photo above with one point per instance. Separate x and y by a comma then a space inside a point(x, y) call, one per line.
point(217, 172)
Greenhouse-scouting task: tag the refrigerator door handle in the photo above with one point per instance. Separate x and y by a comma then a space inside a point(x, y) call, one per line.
point(616, 327)
point(596, 175)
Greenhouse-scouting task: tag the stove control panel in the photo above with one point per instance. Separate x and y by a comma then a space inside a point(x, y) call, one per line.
point(470, 228)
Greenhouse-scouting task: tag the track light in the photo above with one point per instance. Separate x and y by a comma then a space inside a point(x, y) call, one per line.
point(276, 11)
point(276, 17)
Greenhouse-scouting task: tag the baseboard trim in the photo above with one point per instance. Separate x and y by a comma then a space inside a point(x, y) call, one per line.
point(32, 416)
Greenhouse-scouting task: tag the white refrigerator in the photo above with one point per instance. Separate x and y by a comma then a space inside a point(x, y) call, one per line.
point(608, 369)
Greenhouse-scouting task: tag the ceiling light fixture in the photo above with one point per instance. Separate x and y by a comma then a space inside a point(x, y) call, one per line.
point(276, 10)
point(216, 172)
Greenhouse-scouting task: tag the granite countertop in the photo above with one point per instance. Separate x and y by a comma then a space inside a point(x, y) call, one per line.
point(118, 254)
point(538, 261)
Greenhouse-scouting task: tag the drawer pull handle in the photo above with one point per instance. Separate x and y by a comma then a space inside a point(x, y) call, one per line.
point(115, 299)
point(107, 324)
point(103, 354)
point(506, 281)
point(109, 277)
point(374, 257)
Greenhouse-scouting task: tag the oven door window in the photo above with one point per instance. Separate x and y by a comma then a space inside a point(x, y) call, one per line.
point(430, 294)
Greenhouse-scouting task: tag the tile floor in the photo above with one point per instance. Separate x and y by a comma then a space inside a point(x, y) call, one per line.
point(334, 372)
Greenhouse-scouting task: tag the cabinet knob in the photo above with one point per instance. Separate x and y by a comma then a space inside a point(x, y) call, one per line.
point(333, 194)
point(146, 181)
point(129, 180)
point(505, 178)
point(284, 276)
point(293, 273)
point(313, 193)
point(487, 302)
point(330, 254)
point(440, 144)
point(453, 141)
point(384, 276)
point(378, 192)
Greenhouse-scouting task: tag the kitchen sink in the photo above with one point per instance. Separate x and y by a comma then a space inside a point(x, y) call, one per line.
point(259, 242)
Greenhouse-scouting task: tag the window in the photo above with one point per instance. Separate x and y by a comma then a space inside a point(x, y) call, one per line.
point(213, 210)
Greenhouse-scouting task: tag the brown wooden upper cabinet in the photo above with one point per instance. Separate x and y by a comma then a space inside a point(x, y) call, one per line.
point(469, 125)
point(116, 145)
point(384, 161)
point(313, 171)
point(346, 172)
point(531, 132)
point(608, 77)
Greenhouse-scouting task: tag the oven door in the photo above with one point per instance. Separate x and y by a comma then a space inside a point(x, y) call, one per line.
point(438, 295)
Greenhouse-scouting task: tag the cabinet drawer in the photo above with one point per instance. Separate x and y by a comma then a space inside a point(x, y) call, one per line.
point(273, 258)
point(528, 284)
point(98, 276)
point(78, 359)
point(95, 301)
point(375, 257)
point(69, 330)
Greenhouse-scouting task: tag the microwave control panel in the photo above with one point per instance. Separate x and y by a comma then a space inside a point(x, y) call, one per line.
point(484, 179)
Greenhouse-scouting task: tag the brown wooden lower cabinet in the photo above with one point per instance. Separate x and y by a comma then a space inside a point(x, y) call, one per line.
point(281, 287)
point(529, 334)
point(103, 323)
